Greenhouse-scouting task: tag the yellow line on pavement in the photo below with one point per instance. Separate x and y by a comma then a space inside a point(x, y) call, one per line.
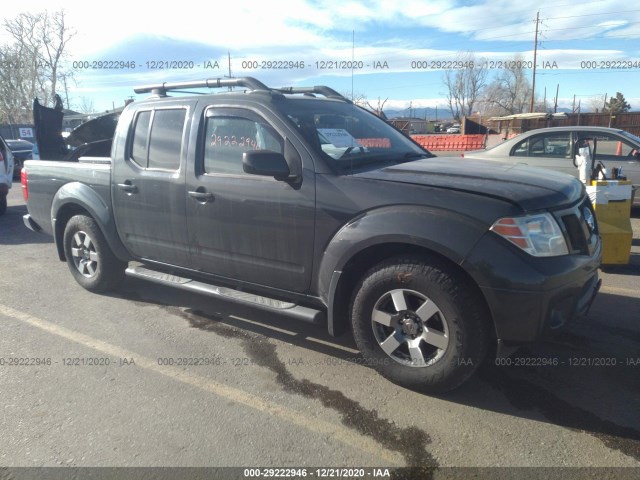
point(338, 432)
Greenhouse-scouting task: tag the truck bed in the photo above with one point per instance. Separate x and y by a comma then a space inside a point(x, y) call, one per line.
point(47, 177)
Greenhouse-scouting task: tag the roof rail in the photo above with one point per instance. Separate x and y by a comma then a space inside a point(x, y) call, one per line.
point(319, 89)
point(162, 88)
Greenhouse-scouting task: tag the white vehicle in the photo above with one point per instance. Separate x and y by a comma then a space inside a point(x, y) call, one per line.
point(6, 174)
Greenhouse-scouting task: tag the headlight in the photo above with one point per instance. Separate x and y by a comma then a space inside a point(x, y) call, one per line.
point(538, 235)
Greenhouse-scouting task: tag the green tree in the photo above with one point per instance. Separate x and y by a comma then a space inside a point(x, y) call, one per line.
point(617, 104)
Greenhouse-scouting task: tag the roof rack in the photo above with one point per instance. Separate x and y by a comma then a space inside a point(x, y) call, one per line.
point(319, 89)
point(251, 83)
point(161, 89)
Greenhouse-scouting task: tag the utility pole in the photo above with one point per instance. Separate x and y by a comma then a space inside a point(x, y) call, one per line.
point(555, 102)
point(66, 91)
point(535, 55)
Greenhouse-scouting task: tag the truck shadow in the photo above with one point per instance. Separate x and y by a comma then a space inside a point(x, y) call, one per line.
point(586, 378)
point(13, 231)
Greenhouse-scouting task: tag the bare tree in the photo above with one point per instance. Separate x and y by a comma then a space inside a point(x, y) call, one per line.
point(596, 103)
point(356, 97)
point(510, 92)
point(55, 36)
point(86, 105)
point(377, 109)
point(465, 85)
point(36, 59)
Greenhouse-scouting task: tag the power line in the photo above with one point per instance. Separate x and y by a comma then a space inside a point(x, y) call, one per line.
point(592, 14)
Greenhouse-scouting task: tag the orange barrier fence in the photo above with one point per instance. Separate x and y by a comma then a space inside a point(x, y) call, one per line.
point(445, 143)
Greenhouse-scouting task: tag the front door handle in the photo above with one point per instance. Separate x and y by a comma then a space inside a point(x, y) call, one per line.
point(202, 196)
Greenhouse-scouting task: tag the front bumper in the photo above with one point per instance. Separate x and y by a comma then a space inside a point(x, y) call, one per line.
point(528, 296)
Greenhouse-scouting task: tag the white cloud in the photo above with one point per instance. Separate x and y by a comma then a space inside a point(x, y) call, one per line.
point(312, 30)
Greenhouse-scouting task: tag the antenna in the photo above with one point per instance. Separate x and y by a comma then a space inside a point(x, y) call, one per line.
point(229, 76)
point(353, 58)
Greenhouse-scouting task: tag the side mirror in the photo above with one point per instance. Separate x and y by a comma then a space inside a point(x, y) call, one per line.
point(265, 163)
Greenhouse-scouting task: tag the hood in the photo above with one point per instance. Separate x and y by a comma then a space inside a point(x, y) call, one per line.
point(98, 129)
point(48, 126)
point(529, 188)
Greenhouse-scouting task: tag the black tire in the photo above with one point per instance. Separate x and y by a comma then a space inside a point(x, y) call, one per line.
point(89, 257)
point(3, 203)
point(429, 319)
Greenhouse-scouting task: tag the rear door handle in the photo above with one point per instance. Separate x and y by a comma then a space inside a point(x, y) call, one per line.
point(202, 196)
point(128, 187)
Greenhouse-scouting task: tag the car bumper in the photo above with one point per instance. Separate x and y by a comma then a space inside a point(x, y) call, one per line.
point(529, 296)
point(30, 223)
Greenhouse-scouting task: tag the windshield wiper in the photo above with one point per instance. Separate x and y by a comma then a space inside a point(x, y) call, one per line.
point(415, 155)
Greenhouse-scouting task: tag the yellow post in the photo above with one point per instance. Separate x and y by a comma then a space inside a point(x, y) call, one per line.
point(612, 202)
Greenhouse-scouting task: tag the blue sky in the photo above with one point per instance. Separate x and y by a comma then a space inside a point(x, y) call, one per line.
point(574, 37)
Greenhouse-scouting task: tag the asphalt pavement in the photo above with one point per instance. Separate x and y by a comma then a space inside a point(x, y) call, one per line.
point(150, 377)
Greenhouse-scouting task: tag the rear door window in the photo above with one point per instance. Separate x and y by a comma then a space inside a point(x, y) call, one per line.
point(157, 138)
point(552, 145)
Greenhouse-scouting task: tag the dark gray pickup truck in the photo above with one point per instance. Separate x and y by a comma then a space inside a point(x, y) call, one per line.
point(297, 201)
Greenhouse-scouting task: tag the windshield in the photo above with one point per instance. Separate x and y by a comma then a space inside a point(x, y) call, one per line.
point(631, 136)
point(349, 137)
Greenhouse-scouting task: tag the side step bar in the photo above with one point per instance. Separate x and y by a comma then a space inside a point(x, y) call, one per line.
point(269, 304)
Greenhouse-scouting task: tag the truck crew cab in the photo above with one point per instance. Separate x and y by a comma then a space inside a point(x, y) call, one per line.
point(299, 202)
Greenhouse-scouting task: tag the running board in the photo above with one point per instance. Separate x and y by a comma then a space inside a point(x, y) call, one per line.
point(270, 304)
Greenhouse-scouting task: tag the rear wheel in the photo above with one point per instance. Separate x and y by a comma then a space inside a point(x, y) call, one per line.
point(90, 260)
point(420, 324)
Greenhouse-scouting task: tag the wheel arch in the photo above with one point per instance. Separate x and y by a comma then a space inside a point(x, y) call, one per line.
point(345, 281)
point(79, 199)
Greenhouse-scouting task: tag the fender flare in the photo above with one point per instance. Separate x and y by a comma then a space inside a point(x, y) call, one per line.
point(75, 197)
point(449, 234)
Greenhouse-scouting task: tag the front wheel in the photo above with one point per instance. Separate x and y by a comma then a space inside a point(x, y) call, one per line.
point(420, 324)
point(91, 261)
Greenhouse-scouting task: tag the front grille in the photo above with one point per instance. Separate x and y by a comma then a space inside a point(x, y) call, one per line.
point(580, 227)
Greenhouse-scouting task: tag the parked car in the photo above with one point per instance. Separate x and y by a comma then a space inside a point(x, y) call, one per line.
point(22, 151)
point(6, 173)
point(553, 148)
point(453, 129)
point(300, 203)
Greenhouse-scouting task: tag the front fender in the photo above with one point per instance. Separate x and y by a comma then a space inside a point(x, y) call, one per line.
point(76, 197)
point(447, 233)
